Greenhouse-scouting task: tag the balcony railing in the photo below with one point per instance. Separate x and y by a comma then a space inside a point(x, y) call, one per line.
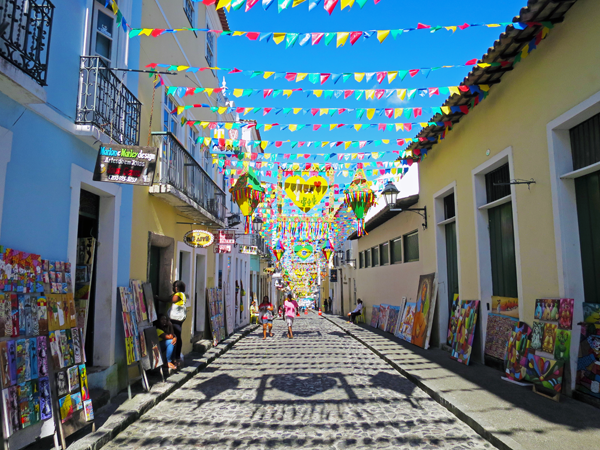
point(179, 169)
point(106, 103)
point(25, 29)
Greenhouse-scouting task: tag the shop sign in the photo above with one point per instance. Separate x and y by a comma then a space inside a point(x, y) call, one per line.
point(223, 248)
point(198, 238)
point(269, 270)
point(333, 276)
point(126, 164)
point(226, 237)
point(249, 250)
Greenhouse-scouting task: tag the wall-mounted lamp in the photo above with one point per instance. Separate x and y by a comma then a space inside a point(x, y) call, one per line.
point(390, 193)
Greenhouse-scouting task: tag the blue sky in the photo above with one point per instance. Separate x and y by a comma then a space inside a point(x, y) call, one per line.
point(416, 49)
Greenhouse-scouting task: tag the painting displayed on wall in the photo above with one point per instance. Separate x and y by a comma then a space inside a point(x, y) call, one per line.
point(406, 324)
point(562, 345)
point(548, 307)
point(565, 313)
point(517, 351)
point(465, 331)
point(375, 316)
point(498, 332)
point(424, 310)
point(588, 362)
point(452, 321)
point(537, 335)
point(549, 337)
point(383, 316)
point(545, 372)
point(505, 306)
point(393, 317)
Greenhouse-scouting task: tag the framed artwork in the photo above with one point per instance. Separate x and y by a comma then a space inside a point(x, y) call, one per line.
point(465, 331)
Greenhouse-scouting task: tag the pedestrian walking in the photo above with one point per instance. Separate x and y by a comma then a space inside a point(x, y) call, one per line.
point(265, 314)
point(357, 311)
point(177, 313)
point(291, 307)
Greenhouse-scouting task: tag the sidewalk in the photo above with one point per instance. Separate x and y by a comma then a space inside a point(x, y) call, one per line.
point(507, 415)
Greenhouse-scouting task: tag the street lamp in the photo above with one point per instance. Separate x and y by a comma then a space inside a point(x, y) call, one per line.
point(257, 224)
point(390, 193)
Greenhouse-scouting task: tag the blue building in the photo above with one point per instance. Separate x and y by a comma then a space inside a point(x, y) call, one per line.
point(62, 95)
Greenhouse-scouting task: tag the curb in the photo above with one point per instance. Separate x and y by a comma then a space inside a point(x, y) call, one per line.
point(133, 409)
point(436, 395)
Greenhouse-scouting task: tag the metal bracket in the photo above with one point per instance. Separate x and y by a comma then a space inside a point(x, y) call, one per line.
point(517, 181)
point(420, 211)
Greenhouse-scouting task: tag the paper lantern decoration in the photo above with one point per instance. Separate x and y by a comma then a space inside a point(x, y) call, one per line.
point(305, 194)
point(359, 197)
point(248, 194)
point(278, 250)
point(328, 250)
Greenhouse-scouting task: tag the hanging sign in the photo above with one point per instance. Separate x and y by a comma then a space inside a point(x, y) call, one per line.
point(198, 238)
point(126, 164)
point(249, 250)
point(226, 237)
point(333, 276)
point(223, 248)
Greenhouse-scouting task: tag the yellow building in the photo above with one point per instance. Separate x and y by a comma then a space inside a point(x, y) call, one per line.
point(188, 192)
point(488, 233)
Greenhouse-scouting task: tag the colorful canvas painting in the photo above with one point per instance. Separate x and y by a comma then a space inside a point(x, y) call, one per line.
point(517, 351)
point(85, 392)
point(4, 365)
point(549, 309)
point(384, 311)
point(375, 316)
point(505, 306)
point(562, 345)
point(588, 362)
point(453, 320)
point(465, 331)
point(149, 297)
point(406, 325)
point(89, 410)
point(8, 327)
point(25, 397)
point(545, 372)
point(565, 313)
point(42, 313)
point(66, 408)
point(14, 301)
point(42, 356)
point(77, 402)
point(424, 309)
point(549, 338)
point(62, 383)
point(3, 316)
point(393, 314)
point(591, 313)
point(57, 360)
point(498, 332)
point(75, 339)
point(33, 360)
point(152, 344)
point(10, 408)
point(537, 335)
point(12, 360)
point(45, 399)
point(73, 378)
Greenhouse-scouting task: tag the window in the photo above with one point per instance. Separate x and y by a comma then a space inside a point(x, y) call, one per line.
point(211, 49)
point(585, 143)
point(103, 33)
point(449, 211)
point(192, 136)
point(361, 260)
point(188, 8)
point(347, 255)
point(384, 253)
point(496, 183)
point(375, 256)
point(169, 119)
point(396, 250)
point(411, 246)
point(367, 258)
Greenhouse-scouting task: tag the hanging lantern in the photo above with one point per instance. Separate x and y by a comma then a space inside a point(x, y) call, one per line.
point(278, 250)
point(327, 249)
point(359, 198)
point(248, 194)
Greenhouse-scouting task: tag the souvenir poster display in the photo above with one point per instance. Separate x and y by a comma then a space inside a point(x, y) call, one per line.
point(217, 323)
point(465, 331)
point(393, 317)
point(375, 316)
point(383, 316)
point(84, 268)
point(517, 351)
point(588, 362)
point(498, 332)
point(130, 326)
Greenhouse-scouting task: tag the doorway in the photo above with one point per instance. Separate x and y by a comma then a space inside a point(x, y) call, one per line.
point(87, 227)
point(200, 295)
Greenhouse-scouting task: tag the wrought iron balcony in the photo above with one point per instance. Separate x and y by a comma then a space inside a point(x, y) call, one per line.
point(106, 103)
point(25, 29)
point(183, 183)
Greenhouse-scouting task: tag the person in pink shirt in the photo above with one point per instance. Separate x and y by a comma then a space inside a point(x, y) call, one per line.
point(291, 308)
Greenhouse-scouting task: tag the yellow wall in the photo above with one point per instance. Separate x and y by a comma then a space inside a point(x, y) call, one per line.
point(388, 284)
point(561, 73)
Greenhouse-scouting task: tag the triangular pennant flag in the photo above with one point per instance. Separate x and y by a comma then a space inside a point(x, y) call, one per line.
point(329, 5)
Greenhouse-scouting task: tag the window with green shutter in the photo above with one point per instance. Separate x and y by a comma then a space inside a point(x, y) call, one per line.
point(361, 260)
point(411, 247)
point(367, 258)
point(396, 250)
point(375, 256)
point(384, 253)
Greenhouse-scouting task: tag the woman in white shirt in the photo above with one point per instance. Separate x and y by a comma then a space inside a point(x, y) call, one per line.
point(357, 311)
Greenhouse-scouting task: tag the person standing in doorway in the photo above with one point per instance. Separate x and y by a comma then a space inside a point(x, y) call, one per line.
point(265, 314)
point(177, 314)
point(291, 308)
point(357, 311)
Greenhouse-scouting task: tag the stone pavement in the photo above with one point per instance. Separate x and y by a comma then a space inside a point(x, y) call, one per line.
point(509, 416)
point(322, 389)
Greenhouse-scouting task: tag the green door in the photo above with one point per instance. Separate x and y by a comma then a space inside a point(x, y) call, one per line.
point(451, 261)
point(502, 246)
point(587, 190)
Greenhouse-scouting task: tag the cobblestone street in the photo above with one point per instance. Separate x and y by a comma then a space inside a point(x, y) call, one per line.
point(323, 389)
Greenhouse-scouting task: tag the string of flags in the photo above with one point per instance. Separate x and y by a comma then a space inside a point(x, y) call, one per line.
point(406, 126)
point(360, 112)
point(117, 12)
point(314, 38)
point(321, 78)
point(368, 94)
point(328, 5)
